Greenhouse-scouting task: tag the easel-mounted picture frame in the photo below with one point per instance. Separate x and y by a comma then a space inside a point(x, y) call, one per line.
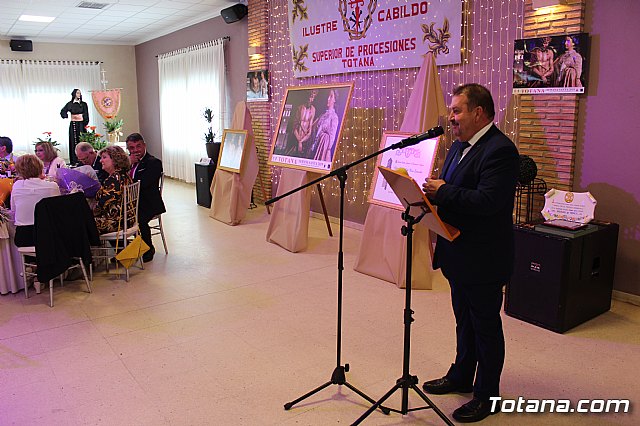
point(309, 127)
point(232, 156)
point(417, 160)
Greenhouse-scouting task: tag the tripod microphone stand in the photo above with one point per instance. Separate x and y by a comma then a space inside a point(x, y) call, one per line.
point(407, 381)
point(338, 376)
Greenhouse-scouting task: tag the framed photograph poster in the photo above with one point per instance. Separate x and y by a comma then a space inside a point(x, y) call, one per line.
point(258, 86)
point(309, 127)
point(231, 156)
point(417, 160)
point(551, 64)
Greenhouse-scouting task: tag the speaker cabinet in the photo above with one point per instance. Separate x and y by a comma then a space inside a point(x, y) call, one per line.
point(21, 45)
point(560, 282)
point(234, 13)
point(204, 177)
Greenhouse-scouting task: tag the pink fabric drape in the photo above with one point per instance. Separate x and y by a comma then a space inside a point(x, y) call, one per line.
point(289, 224)
point(231, 192)
point(383, 248)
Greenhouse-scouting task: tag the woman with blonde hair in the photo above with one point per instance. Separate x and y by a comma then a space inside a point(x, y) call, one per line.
point(49, 157)
point(27, 191)
point(108, 210)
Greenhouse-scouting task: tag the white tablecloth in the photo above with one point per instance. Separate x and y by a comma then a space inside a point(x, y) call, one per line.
point(10, 262)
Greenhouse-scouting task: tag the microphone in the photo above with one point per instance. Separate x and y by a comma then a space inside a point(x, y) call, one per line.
point(412, 140)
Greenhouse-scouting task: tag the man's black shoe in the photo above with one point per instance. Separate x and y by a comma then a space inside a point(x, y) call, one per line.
point(474, 411)
point(148, 256)
point(444, 385)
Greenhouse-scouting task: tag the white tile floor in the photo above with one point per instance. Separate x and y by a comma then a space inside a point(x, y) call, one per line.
point(227, 328)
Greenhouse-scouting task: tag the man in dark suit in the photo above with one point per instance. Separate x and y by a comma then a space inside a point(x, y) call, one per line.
point(475, 194)
point(147, 169)
point(87, 156)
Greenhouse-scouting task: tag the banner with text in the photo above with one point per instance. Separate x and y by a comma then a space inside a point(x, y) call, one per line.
point(335, 37)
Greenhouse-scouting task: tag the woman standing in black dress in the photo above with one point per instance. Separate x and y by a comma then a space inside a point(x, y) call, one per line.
point(79, 119)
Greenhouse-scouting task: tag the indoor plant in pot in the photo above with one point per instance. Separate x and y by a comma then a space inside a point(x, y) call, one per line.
point(113, 126)
point(213, 147)
point(93, 138)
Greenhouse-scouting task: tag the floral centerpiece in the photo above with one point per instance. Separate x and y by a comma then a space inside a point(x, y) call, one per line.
point(7, 167)
point(93, 138)
point(4, 215)
point(47, 138)
point(113, 125)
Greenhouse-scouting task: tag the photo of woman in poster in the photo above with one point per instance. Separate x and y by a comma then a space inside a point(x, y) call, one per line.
point(79, 119)
point(327, 130)
point(263, 79)
point(569, 65)
point(253, 86)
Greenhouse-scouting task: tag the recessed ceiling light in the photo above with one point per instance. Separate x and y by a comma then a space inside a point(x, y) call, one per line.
point(34, 18)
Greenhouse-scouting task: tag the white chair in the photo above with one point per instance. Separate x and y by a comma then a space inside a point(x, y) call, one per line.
point(130, 197)
point(31, 252)
point(156, 228)
point(64, 232)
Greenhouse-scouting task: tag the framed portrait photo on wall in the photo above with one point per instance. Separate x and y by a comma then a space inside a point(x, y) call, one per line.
point(258, 86)
point(416, 160)
point(309, 127)
point(551, 64)
point(231, 156)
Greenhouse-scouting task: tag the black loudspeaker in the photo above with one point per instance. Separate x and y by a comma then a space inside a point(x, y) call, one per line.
point(234, 13)
point(204, 177)
point(21, 45)
point(561, 282)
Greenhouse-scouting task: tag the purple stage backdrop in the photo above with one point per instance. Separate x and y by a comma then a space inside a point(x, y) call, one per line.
point(380, 97)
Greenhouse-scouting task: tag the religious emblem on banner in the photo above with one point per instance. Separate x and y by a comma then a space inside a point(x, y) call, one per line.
point(356, 18)
point(107, 102)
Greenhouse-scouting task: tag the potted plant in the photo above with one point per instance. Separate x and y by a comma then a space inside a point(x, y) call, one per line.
point(47, 139)
point(113, 125)
point(213, 147)
point(92, 137)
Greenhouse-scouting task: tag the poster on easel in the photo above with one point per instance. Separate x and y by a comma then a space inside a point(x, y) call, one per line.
point(232, 156)
point(416, 160)
point(309, 127)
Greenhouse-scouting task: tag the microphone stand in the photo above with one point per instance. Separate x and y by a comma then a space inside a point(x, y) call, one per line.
point(407, 381)
point(338, 375)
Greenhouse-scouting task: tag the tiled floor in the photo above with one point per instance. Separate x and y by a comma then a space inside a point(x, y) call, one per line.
point(227, 328)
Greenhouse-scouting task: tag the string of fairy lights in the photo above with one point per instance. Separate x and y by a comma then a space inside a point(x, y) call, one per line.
point(379, 98)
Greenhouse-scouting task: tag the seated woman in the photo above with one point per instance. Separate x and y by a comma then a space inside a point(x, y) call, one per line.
point(108, 210)
point(27, 191)
point(49, 157)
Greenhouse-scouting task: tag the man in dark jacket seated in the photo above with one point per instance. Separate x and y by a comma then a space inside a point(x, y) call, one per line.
point(87, 156)
point(147, 169)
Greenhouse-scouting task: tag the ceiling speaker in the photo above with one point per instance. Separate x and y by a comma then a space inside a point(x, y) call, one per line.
point(21, 45)
point(234, 13)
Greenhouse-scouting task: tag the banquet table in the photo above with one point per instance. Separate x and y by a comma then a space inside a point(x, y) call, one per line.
point(10, 261)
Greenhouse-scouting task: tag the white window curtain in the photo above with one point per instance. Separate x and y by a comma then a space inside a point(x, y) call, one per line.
point(12, 110)
point(32, 94)
point(190, 80)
